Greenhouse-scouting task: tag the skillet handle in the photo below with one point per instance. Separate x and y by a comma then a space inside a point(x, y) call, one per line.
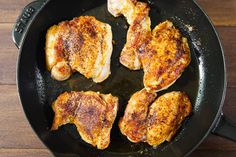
point(225, 128)
point(24, 20)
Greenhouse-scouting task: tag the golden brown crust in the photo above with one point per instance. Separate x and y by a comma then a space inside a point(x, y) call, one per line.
point(165, 57)
point(155, 122)
point(166, 115)
point(92, 113)
point(137, 34)
point(133, 123)
point(82, 37)
point(84, 43)
point(162, 53)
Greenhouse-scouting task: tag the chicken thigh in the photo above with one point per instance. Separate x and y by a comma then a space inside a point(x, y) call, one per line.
point(92, 113)
point(164, 58)
point(154, 121)
point(165, 117)
point(133, 123)
point(162, 53)
point(136, 14)
point(83, 44)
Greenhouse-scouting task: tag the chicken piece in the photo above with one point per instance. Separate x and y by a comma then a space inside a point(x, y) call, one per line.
point(83, 44)
point(164, 58)
point(136, 14)
point(163, 53)
point(133, 123)
point(145, 121)
point(122, 7)
point(165, 117)
point(92, 113)
point(136, 36)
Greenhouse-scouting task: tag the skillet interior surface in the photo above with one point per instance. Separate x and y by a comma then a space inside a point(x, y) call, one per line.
point(203, 80)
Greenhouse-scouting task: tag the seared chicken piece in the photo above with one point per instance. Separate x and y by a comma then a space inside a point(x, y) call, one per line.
point(92, 113)
point(83, 44)
point(163, 53)
point(136, 14)
point(133, 124)
point(165, 117)
point(164, 58)
point(155, 122)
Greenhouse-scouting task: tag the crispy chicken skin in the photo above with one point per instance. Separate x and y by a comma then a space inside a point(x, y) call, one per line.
point(152, 121)
point(165, 117)
point(164, 58)
point(162, 53)
point(133, 123)
point(92, 113)
point(83, 44)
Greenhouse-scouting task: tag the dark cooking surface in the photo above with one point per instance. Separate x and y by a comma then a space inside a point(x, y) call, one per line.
point(199, 79)
point(122, 82)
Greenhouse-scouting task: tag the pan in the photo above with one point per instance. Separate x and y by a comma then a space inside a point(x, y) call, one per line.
point(204, 80)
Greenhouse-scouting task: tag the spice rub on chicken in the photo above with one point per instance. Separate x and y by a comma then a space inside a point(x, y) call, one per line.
point(83, 44)
point(164, 58)
point(162, 53)
point(92, 113)
point(134, 122)
point(154, 121)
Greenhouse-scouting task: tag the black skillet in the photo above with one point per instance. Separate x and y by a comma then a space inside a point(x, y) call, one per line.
point(204, 80)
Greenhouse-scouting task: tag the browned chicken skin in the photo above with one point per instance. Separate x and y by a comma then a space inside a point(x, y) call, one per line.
point(83, 44)
point(154, 122)
point(166, 115)
point(162, 53)
point(133, 123)
point(92, 113)
point(136, 36)
point(164, 58)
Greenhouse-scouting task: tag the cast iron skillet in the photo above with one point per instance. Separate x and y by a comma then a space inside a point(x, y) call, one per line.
point(204, 80)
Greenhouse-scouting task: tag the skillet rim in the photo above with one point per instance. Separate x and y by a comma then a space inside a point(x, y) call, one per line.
point(219, 112)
